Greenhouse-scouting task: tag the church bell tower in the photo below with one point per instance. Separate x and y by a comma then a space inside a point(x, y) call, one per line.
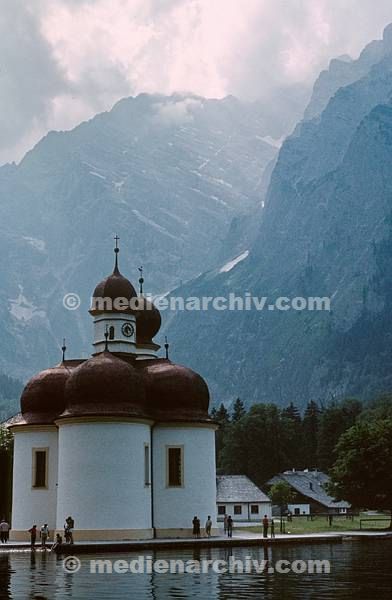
point(113, 310)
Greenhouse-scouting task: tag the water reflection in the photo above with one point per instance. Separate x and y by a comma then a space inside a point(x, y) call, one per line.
point(359, 569)
point(5, 576)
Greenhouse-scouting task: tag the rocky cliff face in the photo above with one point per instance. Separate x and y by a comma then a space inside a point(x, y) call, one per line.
point(168, 174)
point(343, 71)
point(325, 231)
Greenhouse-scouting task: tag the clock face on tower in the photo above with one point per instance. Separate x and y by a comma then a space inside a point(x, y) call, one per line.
point(128, 329)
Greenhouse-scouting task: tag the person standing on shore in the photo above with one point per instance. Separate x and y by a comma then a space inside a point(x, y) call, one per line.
point(67, 536)
point(208, 526)
point(197, 527)
point(4, 531)
point(33, 536)
point(71, 524)
point(265, 526)
point(272, 528)
point(44, 534)
point(225, 525)
point(229, 526)
point(194, 523)
point(68, 530)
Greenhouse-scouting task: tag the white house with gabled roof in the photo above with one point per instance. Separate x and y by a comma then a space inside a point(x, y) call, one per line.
point(239, 497)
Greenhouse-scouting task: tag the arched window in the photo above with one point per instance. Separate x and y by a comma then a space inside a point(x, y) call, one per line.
point(111, 333)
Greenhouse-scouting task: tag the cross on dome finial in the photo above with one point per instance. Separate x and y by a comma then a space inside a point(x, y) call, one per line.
point(167, 348)
point(141, 279)
point(116, 251)
point(63, 348)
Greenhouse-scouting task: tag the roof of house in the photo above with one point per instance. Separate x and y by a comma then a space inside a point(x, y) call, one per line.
point(310, 484)
point(238, 488)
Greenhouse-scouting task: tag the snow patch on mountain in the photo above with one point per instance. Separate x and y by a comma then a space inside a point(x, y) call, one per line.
point(24, 310)
point(95, 174)
point(118, 184)
point(36, 243)
point(276, 143)
point(232, 263)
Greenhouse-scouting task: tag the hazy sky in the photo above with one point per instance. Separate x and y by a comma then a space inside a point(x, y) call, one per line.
point(62, 61)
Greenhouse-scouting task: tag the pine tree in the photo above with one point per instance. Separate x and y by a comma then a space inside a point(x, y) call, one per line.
point(221, 416)
point(293, 442)
point(239, 410)
point(255, 445)
point(310, 429)
point(292, 412)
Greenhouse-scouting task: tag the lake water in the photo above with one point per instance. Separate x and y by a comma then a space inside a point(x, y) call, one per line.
point(359, 569)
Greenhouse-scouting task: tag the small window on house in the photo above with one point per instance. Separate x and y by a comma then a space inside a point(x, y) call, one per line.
point(254, 509)
point(221, 510)
point(175, 466)
point(40, 467)
point(146, 464)
point(237, 509)
point(111, 333)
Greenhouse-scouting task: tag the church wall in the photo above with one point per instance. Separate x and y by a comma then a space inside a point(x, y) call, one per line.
point(102, 479)
point(33, 505)
point(175, 507)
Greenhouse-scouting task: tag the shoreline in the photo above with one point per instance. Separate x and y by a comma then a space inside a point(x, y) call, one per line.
point(96, 547)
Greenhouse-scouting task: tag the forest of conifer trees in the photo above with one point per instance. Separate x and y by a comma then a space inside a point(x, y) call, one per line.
point(265, 440)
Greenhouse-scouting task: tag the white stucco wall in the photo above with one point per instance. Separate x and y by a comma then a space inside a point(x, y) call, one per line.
point(101, 476)
point(144, 353)
point(265, 508)
point(303, 508)
point(174, 508)
point(33, 506)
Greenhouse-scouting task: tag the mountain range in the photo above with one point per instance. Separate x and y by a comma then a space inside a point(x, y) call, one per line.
point(169, 175)
point(205, 200)
point(325, 232)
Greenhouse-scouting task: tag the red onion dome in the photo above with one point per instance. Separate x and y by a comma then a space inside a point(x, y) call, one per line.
point(175, 392)
point(42, 399)
point(148, 321)
point(108, 292)
point(104, 385)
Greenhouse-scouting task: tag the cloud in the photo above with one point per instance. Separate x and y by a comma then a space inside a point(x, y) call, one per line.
point(66, 60)
point(176, 112)
point(29, 78)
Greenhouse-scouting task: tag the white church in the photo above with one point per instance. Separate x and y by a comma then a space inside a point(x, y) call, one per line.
point(122, 441)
